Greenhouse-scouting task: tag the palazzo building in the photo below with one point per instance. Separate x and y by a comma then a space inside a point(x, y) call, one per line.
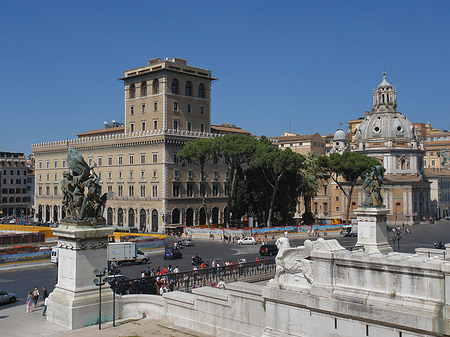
point(389, 136)
point(167, 103)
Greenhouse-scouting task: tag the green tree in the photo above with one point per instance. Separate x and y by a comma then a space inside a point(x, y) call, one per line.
point(350, 166)
point(275, 164)
point(199, 152)
point(237, 151)
point(310, 177)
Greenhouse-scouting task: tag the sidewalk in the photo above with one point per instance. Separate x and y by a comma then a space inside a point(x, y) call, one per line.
point(16, 322)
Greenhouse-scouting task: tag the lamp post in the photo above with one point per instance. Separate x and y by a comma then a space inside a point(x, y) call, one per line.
point(99, 284)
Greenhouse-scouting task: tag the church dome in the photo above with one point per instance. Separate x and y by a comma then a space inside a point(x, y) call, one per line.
point(339, 135)
point(387, 125)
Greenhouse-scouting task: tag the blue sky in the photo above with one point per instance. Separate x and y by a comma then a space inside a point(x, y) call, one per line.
point(317, 61)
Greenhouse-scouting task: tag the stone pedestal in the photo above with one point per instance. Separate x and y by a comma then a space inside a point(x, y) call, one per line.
point(74, 302)
point(372, 229)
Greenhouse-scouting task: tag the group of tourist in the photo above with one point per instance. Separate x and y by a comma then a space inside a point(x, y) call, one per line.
point(33, 299)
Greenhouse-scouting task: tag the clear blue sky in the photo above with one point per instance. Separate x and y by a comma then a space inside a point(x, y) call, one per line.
point(315, 60)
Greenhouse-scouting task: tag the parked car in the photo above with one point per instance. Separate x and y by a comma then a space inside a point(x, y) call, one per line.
point(187, 242)
point(249, 240)
point(268, 250)
point(6, 297)
point(171, 254)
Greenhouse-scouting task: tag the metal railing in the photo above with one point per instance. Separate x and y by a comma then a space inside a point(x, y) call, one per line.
point(185, 281)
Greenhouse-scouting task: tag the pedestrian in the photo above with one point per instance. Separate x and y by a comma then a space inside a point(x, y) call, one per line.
point(29, 301)
point(221, 284)
point(45, 292)
point(45, 306)
point(36, 297)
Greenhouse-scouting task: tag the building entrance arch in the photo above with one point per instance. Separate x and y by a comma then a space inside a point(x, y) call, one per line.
point(131, 217)
point(190, 217)
point(154, 220)
point(215, 215)
point(202, 217)
point(176, 216)
point(142, 219)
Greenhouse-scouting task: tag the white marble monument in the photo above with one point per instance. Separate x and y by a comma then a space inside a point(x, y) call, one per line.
point(75, 301)
point(372, 229)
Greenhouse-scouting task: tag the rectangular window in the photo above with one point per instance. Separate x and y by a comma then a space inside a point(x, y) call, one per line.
point(175, 124)
point(120, 160)
point(202, 110)
point(202, 127)
point(143, 191)
point(142, 174)
point(215, 189)
point(100, 161)
point(131, 174)
point(63, 163)
point(143, 126)
point(155, 124)
point(155, 106)
point(131, 159)
point(142, 158)
point(40, 164)
point(227, 189)
point(325, 189)
point(175, 158)
point(190, 189)
point(55, 177)
point(131, 191)
point(109, 189)
point(56, 164)
point(315, 207)
point(337, 198)
point(120, 191)
point(175, 190)
point(337, 208)
point(155, 173)
point(216, 175)
point(131, 127)
point(132, 110)
point(175, 106)
point(190, 174)
point(40, 190)
point(109, 175)
point(155, 158)
point(119, 175)
point(55, 190)
point(325, 207)
point(47, 164)
point(189, 126)
point(143, 108)
point(155, 191)
point(47, 190)
point(90, 162)
point(189, 108)
point(176, 174)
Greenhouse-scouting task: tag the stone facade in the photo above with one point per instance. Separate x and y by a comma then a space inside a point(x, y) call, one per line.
point(16, 179)
point(167, 103)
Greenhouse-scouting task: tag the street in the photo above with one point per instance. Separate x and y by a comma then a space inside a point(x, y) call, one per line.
point(22, 280)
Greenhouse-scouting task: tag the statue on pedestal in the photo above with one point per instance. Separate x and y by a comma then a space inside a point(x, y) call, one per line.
point(81, 207)
point(372, 187)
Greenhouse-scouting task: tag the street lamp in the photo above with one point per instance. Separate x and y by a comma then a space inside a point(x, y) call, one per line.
point(99, 284)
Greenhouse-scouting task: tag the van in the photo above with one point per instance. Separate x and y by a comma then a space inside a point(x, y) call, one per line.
point(55, 255)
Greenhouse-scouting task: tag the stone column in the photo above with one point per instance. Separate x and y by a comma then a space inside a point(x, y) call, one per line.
point(74, 302)
point(372, 229)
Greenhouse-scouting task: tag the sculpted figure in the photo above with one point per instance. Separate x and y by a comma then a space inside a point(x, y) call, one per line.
point(81, 207)
point(293, 261)
point(372, 187)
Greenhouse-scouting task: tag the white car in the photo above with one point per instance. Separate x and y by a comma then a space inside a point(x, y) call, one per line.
point(249, 240)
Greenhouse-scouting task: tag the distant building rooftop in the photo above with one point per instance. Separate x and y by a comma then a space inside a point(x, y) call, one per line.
point(226, 128)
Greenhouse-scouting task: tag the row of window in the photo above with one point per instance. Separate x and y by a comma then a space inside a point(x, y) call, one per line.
point(15, 200)
point(12, 164)
point(11, 172)
point(16, 190)
point(176, 107)
point(18, 181)
point(176, 126)
point(188, 88)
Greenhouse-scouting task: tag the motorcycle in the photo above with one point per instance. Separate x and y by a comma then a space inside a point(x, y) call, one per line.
point(196, 260)
point(439, 245)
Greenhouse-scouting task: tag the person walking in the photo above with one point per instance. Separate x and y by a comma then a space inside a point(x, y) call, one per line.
point(36, 297)
point(29, 301)
point(45, 292)
point(45, 306)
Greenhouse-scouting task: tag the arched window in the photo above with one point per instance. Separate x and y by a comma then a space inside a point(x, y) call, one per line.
point(174, 86)
point(189, 217)
point(142, 219)
point(154, 220)
point(120, 217)
point(55, 213)
point(109, 216)
point(132, 91)
point(131, 217)
point(143, 89)
point(155, 86)
point(176, 216)
point(215, 215)
point(202, 217)
point(382, 98)
point(201, 91)
point(188, 89)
